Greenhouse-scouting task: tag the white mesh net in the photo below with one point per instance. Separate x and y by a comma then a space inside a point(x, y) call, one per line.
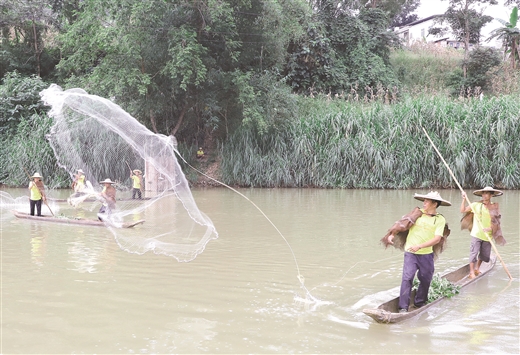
point(97, 136)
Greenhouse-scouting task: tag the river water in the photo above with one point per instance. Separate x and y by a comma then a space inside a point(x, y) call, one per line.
point(70, 289)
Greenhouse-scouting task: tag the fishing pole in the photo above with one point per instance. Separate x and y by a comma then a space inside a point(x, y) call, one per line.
point(41, 193)
point(469, 203)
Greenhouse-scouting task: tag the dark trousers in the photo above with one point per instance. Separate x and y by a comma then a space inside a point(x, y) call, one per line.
point(136, 191)
point(413, 263)
point(38, 205)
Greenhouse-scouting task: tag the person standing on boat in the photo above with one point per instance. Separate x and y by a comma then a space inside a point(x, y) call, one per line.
point(37, 194)
point(423, 233)
point(137, 183)
point(108, 194)
point(488, 213)
point(78, 185)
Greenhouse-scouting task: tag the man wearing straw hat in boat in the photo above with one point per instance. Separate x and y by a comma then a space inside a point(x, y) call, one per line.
point(137, 183)
point(37, 194)
point(487, 227)
point(108, 194)
point(78, 185)
point(422, 232)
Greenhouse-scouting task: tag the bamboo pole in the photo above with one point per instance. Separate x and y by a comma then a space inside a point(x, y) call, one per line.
point(475, 216)
point(44, 198)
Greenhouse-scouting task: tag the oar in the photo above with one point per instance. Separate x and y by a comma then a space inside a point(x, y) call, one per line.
point(469, 203)
point(41, 193)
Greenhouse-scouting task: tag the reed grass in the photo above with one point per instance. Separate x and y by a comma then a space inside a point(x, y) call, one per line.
point(334, 143)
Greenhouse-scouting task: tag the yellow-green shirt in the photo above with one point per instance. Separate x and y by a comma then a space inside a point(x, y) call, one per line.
point(481, 213)
point(80, 183)
point(425, 229)
point(136, 182)
point(35, 192)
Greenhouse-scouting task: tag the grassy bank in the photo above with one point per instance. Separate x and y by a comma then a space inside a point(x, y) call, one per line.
point(353, 145)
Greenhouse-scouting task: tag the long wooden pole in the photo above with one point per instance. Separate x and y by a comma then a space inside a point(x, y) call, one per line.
point(41, 193)
point(475, 216)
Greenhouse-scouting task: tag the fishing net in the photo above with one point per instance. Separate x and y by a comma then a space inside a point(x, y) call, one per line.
point(96, 136)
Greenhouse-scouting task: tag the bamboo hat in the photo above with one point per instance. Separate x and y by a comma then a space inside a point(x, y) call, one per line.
point(36, 175)
point(81, 171)
point(494, 192)
point(107, 181)
point(137, 171)
point(432, 195)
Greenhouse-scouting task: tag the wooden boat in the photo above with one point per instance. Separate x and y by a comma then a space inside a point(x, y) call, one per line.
point(65, 220)
point(388, 312)
point(93, 199)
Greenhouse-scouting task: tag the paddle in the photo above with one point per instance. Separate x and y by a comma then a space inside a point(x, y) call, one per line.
point(469, 203)
point(41, 193)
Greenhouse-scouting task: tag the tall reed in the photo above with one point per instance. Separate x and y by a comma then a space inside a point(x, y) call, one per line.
point(349, 145)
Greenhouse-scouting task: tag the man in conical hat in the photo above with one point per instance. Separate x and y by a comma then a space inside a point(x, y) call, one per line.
point(487, 227)
point(78, 185)
point(37, 194)
point(109, 198)
point(425, 229)
point(137, 183)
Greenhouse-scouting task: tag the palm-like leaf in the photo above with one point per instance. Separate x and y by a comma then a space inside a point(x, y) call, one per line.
point(510, 36)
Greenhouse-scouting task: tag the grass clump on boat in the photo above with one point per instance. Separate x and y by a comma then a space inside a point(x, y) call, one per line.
point(439, 287)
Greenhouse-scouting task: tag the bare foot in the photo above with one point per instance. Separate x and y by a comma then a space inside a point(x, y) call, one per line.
point(477, 272)
point(471, 276)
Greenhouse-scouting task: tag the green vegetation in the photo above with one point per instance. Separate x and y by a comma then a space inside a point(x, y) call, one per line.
point(440, 287)
point(356, 145)
point(280, 92)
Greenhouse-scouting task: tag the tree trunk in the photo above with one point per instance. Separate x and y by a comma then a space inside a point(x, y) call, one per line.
point(36, 50)
point(181, 118)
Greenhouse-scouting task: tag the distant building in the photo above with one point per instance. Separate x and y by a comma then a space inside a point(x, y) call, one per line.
point(417, 31)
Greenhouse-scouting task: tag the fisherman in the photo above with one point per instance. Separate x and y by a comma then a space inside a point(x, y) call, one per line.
point(481, 231)
point(78, 185)
point(37, 194)
point(423, 233)
point(137, 183)
point(200, 153)
point(108, 194)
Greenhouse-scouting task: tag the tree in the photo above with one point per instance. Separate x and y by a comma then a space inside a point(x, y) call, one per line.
point(406, 15)
point(24, 25)
point(510, 36)
point(344, 49)
point(399, 11)
point(464, 22)
point(175, 64)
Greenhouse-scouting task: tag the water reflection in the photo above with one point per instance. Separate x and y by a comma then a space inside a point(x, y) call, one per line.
point(88, 254)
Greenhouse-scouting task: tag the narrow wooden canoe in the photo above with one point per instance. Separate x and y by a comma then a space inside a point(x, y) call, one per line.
point(93, 199)
point(388, 312)
point(80, 221)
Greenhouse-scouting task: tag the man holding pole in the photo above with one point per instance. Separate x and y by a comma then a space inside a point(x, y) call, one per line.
point(487, 227)
point(37, 194)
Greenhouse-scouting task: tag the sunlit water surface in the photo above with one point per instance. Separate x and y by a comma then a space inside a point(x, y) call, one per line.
point(70, 289)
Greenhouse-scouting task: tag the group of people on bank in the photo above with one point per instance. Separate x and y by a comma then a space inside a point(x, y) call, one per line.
point(79, 185)
point(422, 235)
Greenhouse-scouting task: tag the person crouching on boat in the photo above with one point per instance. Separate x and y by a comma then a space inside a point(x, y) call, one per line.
point(108, 194)
point(423, 233)
point(37, 194)
point(137, 183)
point(487, 227)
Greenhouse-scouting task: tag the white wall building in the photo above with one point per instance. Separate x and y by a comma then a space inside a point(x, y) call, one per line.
point(418, 31)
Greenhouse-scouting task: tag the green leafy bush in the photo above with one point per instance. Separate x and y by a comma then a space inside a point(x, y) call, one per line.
point(440, 287)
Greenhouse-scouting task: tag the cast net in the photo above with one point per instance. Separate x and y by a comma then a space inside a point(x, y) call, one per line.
point(96, 136)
